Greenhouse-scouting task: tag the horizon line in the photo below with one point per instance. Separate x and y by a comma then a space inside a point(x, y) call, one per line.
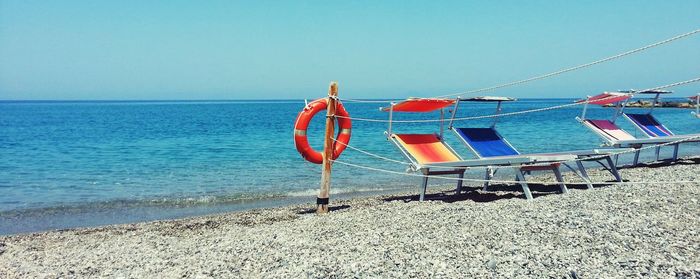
point(223, 100)
point(247, 100)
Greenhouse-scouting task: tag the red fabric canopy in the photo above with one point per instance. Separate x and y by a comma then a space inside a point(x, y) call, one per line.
point(421, 105)
point(694, 98)
point(607, 98)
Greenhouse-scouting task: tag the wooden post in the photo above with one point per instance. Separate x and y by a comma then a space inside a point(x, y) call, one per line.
point(324, 194)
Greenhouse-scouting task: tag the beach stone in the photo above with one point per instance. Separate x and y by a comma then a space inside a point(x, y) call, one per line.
point(615, 231)
point(491, 264)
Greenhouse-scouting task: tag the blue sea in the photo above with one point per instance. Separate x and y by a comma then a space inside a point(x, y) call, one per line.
point(73, 164)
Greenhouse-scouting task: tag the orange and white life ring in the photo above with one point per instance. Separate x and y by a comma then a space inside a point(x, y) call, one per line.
point(302, 123)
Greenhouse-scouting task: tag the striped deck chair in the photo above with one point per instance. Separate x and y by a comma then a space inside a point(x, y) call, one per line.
point(651, 127)
point(648, 125)
point(430, 155)
point(487, 142)
point(616, 137)
point(608, 130)
point(428, 149)
point(427, 153)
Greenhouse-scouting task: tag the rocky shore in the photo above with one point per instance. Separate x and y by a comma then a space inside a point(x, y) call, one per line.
point(613, 231)
point(648, 104)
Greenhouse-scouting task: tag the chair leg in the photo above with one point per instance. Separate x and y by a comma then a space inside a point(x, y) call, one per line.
point(616, 158)
point(584, 174)
point(613, 169)
point(523, 184)
point(636, 158)
point(459, 183)
point(487, 178)
point(675, 152)
point(560, 179)
point(658, 151)
point(424, 187)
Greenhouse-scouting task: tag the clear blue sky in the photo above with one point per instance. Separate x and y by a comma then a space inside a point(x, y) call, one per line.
point(376, 49)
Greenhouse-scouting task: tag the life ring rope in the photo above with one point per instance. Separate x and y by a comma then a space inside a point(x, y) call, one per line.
point(301, 124)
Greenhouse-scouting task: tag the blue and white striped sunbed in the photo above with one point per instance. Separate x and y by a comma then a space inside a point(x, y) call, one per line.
point(648, 125)
point(488, 143)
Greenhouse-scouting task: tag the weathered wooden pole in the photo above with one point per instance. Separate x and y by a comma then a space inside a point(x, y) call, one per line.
point(324, 194)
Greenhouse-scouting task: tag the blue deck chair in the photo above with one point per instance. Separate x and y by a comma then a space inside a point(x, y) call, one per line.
point(615, 137)
point(488, 143)
point(647, 124)
point(652, 128)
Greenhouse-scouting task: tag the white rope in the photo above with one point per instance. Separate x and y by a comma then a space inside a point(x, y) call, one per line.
point(575, 67)
point(498, 181)
point(509, 84)
point(590, 158)
point(688, 139)
point(473, 117)
point(367, 101)
point(519, 112)
point(539, 77)
point(672, 84)
point(419, 175)
point(371, 154)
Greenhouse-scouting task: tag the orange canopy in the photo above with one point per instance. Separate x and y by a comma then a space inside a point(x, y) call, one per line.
point(421, 105)
point(607, 98)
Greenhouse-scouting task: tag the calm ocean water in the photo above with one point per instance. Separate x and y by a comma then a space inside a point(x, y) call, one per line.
point(66, 164)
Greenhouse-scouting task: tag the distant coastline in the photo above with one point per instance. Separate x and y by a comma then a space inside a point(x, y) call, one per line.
point(648, 104)
point(673, 100)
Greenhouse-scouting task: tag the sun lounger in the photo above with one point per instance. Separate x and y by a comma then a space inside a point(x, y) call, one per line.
point(648, 125)
point(430, 155)
point(425, 149)
point(653, 129)
point(488, 143)
point(616, 137)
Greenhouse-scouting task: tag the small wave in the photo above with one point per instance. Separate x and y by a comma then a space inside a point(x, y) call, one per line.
point(179, 202)
point(337, 191)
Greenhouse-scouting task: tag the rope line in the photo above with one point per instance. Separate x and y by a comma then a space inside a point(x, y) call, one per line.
point(518, 112)
point(498, 181)
point(555, 73)
point(367, 101)
point(626, 53)
point(595, 157)
point(371, 154)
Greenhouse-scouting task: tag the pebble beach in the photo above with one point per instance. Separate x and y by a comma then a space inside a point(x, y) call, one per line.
point(613, 231)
